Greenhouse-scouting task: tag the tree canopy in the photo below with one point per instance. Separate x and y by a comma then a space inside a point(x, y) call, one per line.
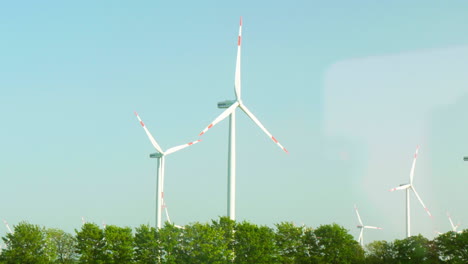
point(222, 241)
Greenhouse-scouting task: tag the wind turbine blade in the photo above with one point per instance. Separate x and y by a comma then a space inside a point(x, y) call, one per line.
point(372, 227)
point(246, 110)
point(402, 187)
point(361, 235)
point(420, 200)
point(454, 228)
point(167, 213)
point(8, 226)
point(414, 164)
point(151, 138)
point(174, 149)
point(358, 216)
point(223, 115)
point(237, 77)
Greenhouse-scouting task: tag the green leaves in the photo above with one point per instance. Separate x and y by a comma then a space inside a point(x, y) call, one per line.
point(147, 245)
point(61, 245)
point(453, 247)
point(118, 246)
point(90, 244)
point(27, 245)
point(336, 245)
point(222, 241)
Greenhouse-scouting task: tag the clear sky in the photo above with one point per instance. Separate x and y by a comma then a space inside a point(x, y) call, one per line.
point(349, 89)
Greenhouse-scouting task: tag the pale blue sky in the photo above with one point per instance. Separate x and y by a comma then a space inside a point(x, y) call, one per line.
point(349, 89)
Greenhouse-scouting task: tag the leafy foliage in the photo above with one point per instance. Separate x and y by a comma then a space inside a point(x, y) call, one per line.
point(254, 244)
point(90, 244)
point(62, 245)
point(336, 245)
point(118, 244)
point(453, 247)
point(27, 244)
point(147, 245)
point(223, 241)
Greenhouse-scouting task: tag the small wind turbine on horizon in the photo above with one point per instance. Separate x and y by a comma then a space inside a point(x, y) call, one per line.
point(362, 227)
point(160, 156)
point(231, 106)
point(409, 186)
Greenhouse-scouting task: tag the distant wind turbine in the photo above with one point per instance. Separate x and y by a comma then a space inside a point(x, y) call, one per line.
point(362, 227)
point(160, 156)
point(408, 187)
point(231, 106)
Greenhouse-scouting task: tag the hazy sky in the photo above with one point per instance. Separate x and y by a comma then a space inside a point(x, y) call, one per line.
point(349, 89)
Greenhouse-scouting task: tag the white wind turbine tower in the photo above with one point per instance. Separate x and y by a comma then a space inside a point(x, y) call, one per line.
point(160, 156)
point(362, 227)
point(408, 187)
point(231, 106)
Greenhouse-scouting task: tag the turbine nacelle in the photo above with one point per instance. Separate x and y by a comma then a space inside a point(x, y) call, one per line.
point(156, 155)
point(226, 104)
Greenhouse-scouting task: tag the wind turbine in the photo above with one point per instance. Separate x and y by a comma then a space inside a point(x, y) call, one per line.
point(408, 187)
point(231, 106)
point(160, 156)
point(362, 227)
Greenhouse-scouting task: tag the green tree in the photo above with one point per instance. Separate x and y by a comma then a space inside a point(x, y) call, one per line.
point(147, 245)
point(90, 244)
point(254, 244)
point(170, 238)
point(453, 247)
point(118, 248)
point(289, 242)
point(26, 245)
point(336, 245)
point(311, 252)
point(204, 243)
point(380, 252)
point(414, 249)
point(62, 244)
point(226, 227)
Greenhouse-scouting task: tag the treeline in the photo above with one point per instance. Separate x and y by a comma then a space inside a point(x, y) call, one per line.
point(222, 241)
